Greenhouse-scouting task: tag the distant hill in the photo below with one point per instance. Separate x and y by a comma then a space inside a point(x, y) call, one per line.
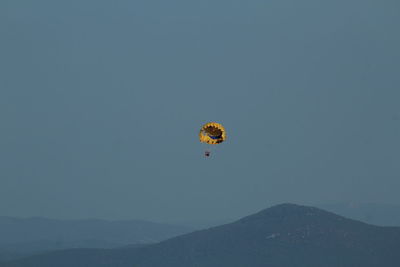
point(372, 213)
point(20, 237)
point(286, 235)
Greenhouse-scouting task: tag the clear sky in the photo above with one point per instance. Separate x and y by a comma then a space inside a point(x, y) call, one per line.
point(101, 103)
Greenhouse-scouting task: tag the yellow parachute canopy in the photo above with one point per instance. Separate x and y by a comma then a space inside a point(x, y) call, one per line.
point(212, 133)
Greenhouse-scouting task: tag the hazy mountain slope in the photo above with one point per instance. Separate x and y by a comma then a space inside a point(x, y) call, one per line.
point(284, 235)
point(15, 230)
point(11, 251)
point(21, 237)
point(373, 213)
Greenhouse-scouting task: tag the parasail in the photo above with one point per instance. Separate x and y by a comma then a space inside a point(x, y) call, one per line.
point(212, 133)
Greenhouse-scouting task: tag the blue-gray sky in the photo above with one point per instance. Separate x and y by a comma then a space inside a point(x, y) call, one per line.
point(101, 103)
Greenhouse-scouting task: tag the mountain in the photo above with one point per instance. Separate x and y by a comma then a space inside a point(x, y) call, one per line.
point(286, 235)
point(10, 251)
point(21, 237)
point(372, 213)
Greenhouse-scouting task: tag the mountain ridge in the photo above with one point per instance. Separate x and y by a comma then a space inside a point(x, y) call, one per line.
point(283, 235)
point(28, 236)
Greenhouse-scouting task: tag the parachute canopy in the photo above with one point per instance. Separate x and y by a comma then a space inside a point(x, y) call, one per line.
point(212, 133)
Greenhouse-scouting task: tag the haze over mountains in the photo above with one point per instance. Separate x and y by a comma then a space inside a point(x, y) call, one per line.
point(32, 235)
point(373, 213)
point(29, 236)
point(285, 235)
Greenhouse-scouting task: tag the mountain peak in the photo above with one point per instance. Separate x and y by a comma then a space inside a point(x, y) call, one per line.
point(289, 211)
